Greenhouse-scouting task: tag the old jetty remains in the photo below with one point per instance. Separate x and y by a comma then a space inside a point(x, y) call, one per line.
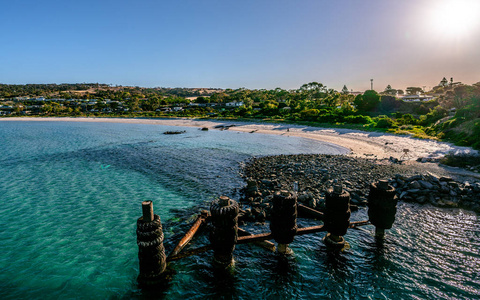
point(337, 216)
point(225, 233)
point(151, 253)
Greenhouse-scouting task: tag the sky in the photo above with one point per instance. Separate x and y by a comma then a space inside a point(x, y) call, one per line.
point(258, 44)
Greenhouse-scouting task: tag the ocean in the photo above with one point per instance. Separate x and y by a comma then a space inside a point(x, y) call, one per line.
point(71, 192)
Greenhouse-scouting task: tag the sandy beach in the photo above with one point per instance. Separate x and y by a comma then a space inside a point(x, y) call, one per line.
point(361, 144)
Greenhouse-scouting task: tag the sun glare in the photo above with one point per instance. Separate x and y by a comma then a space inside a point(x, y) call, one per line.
point(455, 18)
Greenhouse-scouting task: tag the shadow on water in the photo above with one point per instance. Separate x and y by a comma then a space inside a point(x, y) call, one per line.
point(282, 275)
point(220, 283)
point(334, 261)
point(157, 291)
point(378, 249)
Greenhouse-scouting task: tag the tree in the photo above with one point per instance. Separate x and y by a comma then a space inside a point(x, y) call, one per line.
point(331, 100)
point(47, 108)
point(389, 103)
point(390, 91)
point(18, 108)
point(347, 108)
point(345, 90)
point(217, 97)
point(414, 90)
point(202, 99)
point(368, 101)
point(313, 90)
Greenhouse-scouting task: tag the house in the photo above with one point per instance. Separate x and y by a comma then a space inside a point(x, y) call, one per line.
point(417, 98)
point(21, 98)
point(234, 104)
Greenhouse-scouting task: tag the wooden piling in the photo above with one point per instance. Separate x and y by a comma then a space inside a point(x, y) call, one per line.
point(382, 206)
point(224, 234)
point(283, 222)
point(151, 253)
point(147, 209)
point(337, 215)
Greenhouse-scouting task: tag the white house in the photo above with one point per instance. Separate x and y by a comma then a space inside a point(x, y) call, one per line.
point(417, 98)
point(234, 104)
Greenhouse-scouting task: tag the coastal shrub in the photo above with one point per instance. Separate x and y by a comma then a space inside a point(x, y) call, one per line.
point(406, 127)
point(422, 109)
point(309, 114)
point(347, 108)
point(329, 117)
point(434, 115)
point(389, 103)
point(385, 122)
point(359, 119)
point(406, 119)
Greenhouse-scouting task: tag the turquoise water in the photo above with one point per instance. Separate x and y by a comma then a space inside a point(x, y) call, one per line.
point(71, 193)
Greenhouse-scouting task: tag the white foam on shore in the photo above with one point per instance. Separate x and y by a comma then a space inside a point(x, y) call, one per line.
point(362, 144)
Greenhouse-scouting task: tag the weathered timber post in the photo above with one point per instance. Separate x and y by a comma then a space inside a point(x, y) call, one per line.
point(382, 206)
point(224, 235)
point(151, 253)
point(283, 221)
point(337, 215)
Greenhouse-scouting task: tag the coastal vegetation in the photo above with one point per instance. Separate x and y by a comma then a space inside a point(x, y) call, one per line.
point(450, 111)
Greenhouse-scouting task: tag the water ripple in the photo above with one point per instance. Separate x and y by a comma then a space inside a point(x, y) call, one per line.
point(70, 196)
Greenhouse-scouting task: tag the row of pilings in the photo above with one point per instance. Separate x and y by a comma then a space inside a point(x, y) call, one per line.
point(224, 235)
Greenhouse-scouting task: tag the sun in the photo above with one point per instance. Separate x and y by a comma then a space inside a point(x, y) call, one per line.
point(455, 18)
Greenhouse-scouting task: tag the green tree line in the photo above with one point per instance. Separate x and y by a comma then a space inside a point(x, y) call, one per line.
point(453, 115)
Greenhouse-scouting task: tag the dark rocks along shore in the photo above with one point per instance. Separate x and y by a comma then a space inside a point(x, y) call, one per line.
point(312, 174)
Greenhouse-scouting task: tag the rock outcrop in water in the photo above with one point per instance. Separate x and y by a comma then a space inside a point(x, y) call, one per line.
point(439, 191)
point(315, 173)
point(174, 132)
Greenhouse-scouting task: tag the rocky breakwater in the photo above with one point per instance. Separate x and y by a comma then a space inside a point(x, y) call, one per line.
point(439, 191)
point(312, 174)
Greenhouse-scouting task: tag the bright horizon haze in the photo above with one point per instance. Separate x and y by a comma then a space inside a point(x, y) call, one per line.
point(233, 44)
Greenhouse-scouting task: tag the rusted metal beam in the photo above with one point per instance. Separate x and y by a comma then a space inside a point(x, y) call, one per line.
point(190, 233)
point(312, 229)
point(254, 238)
point(264, 244)
point(309, 212)
point(268, 236)
point(189, 253)
point(359, 223)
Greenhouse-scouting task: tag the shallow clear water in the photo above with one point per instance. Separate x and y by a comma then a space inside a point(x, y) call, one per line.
point(71, 193)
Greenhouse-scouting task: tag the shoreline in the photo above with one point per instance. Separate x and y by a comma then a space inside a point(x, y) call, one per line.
point(362, 144)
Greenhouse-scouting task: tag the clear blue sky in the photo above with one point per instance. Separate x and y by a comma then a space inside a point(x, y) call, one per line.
point(231, 44)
